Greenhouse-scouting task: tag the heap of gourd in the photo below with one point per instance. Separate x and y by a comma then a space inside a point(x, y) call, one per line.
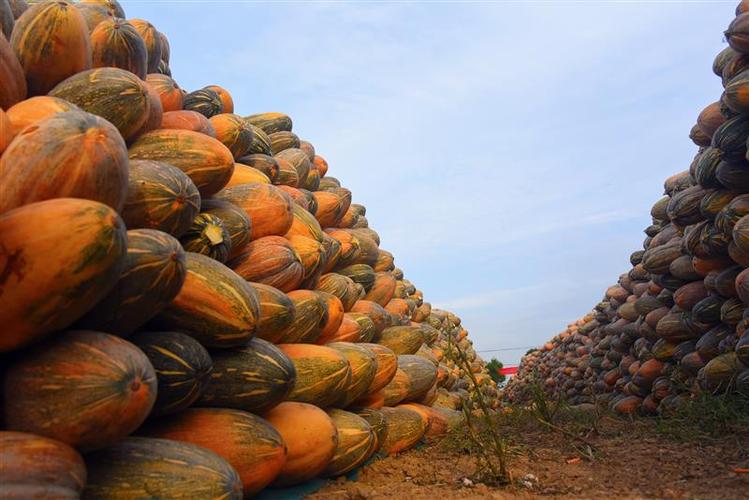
point(676, 324)
point(190, 307)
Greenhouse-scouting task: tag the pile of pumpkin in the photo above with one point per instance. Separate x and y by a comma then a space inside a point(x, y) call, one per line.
point(676, 325)
point(190, 305)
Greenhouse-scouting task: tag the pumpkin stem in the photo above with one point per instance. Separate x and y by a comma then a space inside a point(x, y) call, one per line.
point(214, 234)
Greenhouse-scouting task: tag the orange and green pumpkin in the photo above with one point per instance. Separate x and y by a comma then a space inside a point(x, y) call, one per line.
point(233, 132)
point(251, 445)
point(321, 165)
point(254, 377)
point(69, 155)
point(112, 93)
point(277, 312)
point(400, 309)
point(112, 6)
point(215, 305)
point(94, 14)
point(246, 175)
point(405, 428)
point(287, 174)
point(235, 220)
point(385, 261)
point(182, 368)
point(161, 197)
point(204, 159)
point(311, 439)
point(51, 42)
point(330, 208)
point(361, 274)
point(310, 314)
point(262, 162)
point(6, 132)
point(152, 275)
point(379, 316)
point(152, 40)
point(270, 260)
point(356, 438)
point(397, 389)
point(422, 375)
point(205, 101)
point(382, 290)
point(322, 373)
point(60, 257)
point(354, 327)
point(169, 92)
point(311, 254)
point(269, 208)
point(223, 94)
point(333, 317)
point(304, 223)
point(116, 43)
point(312, 183)
point(36, 109)
point(208, 236)
point(70, 388)
point(281, 141)
point(37, 467)
point(260, 142)
point(308, 148)
point(350, 247)
point(376, 421)
point(155, 114)
point(140, 467)
point(387, 365)
point(271, 122)
point(187, 120)
point(342, 287)
point(298, 159)
point(363, 363)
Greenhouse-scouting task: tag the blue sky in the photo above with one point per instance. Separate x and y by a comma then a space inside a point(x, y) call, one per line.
point(508, 153)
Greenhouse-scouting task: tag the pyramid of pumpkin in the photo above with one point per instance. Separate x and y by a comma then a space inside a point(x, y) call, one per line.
point(190, 304)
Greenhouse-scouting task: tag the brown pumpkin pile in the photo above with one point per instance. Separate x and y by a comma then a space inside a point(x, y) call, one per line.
point(190, 305)
point(676, 324)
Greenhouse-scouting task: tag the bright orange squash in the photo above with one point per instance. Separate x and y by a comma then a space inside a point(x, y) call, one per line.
point(246, 175)
point(354, 327)
point(387, 365)
point(262, 162)
point(397, 389)
point(36, 109)
point(322, 373)
point(333, 317)
point(50, 279)
point(287, 174)
point(169, 92)
point(310, 252)
point(94, 14)
point(250, 444)
point(187, 120)
point(52, 43)
point(383, 289)
point(233, 132)
point(342, 287)
point(152, 40)
point(270, 260)
point(355, 440)
point(6, 131)
point(320, 165)
point(405, 428)
point(269, 208)
point(69, 389)
point(363, 363)
point(72, 154)
point(311, 438)
point(379, 316)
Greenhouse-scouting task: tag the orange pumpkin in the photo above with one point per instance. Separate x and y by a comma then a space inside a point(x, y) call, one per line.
point(277, 312)
point(373, 401)
point(72, 154)
point(310, 252)
point(310, 315)
point(329, 208)
point(12, 78)
point(169, 92)
point(94, 14)
point(269, 208)
point(152, 39)
point(112, 6)
point(379, 316)
point(342, 287)
point(116, 43)
point(397, 389)
point(187, 120)
point(363, 363)
point(405, 428)
point(383, 289)
point(320, 165)
point(6, 131)
point(322, 374)
point(233, 132)
point(387, 365)
point(270, 260)
point(250, 444)
point(51, 42)
point(333, 318)
point(246, 175)
point(385, 261)
point(70, 388)
point(287, 174)
point(262, 162)
point(311, 439)
point(36, 109)
point(225, 97)
point(353, 328)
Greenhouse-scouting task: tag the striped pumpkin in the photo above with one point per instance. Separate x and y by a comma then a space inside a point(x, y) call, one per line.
point(376, 421)
point(280, 141)
point(301, 197)
point(402, 339)
point(333, 317)
point(305, 224)
point(269, 208)
point(262, 162)
point(140, 467)
point(204, 159)
point(112, 6)
point(385, 261)
point(57, 281)
point(387, 365)
point(322, 373)
point(6, 134)
point(69, 389)
point(169, 92)
point(272, 261)
point(405, 428)
point(36, 109)
point(208, 236)
point(354, 327)
point(188, 120)
point(247, 442)
point(298, 159)
point(93, 14)
point(363, 363)
point(260, 142)
point(152, 276)
point(235, 220)
point(116, 43)
point(355, 441)
point(60, 474)
point(342, 287)
point(397, 389)
point(379, 316)
point(320, 164)
point(422, 375)
point(161, 197)
point(361, 274)
point(152, 40)
point(112, 93)
point(246, 175)
point(51, 42)
point(254, 377)
point(382, 290)
point(215, 305)
point(69, 155)
point(311, 314)
point(277, 312)
point(350, 247)
point(207, 102)
point(311, 439)
point(271, 122)
point(182, 366)
point(233, 132)
point(223, 94)
point(287, 174)
point(311, 254)
point(330, 208)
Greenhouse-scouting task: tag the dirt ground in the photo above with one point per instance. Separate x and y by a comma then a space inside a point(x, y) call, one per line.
point(630, 460)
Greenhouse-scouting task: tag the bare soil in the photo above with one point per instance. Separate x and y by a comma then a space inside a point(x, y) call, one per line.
point(630, 459)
